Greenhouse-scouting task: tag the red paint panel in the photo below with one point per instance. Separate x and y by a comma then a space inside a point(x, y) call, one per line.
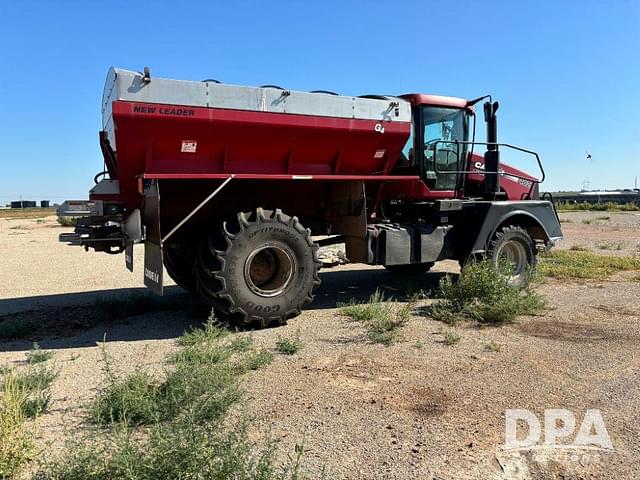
point(515, 188)
point(245, 176)
point(156, 139)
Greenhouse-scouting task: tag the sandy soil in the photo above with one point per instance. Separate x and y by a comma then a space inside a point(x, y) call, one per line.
point(417, 409)
point(607, 233)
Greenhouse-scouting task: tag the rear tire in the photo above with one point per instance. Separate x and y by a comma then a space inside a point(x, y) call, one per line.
point(410, 269)
point(514, 245)
point(262, 268)
point(179, 262)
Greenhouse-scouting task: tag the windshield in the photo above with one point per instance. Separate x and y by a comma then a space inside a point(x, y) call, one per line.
point(442, 127)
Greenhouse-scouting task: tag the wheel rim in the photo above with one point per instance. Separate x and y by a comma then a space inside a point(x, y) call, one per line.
point(269, 269)
point(512, 255)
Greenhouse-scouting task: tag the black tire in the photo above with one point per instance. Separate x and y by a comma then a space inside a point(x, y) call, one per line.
point(260, 268)
point(179, 262)
point(410, 269)
point(515, 245)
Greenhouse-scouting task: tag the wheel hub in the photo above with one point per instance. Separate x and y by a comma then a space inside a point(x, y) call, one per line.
point(513, 256)
point(269, 269)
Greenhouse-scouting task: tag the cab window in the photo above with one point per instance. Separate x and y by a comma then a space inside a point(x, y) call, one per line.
point(442, 127)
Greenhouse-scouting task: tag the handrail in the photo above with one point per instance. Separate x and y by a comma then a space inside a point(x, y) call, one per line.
point(473, 143)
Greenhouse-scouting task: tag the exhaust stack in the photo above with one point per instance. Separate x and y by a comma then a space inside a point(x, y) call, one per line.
point(492, 155)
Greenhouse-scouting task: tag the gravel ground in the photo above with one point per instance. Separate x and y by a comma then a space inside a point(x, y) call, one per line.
point(417, 409)
point(607, 233)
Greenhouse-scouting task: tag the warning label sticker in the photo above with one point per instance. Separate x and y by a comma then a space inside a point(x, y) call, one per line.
point(189, 146)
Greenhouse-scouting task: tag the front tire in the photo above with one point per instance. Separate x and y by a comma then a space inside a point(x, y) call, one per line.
point(512, 247)
point(262, 268)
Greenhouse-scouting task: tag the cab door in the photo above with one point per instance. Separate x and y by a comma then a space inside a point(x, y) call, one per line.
point(440, 129)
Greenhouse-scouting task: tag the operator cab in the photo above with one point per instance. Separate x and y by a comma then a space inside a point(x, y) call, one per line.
point(437, 148)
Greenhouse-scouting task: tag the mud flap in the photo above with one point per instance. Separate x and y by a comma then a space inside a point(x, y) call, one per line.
point(128, 255)
point(153, 258)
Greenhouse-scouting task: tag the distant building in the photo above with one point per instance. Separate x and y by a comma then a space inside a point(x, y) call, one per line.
point(600, 196)
point(44, 203)
point(23, 204)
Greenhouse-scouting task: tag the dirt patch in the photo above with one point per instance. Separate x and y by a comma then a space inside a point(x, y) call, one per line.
point(572, 332)
point(421, 401)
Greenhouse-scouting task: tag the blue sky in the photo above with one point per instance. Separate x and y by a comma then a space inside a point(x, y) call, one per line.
point(567, 73)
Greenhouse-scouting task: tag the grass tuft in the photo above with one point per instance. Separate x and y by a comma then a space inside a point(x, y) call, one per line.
point(255, 360)
point(584, 265)
point(289, 345)
point(37, 355)
point(450, 337)
point(211, 332)
point(16, 445)
point(67, 221)
point(382, 318)
point(133, 399)
point(241, 344)
point(482, 294)
point(200, 382)
point(186, 431)
point(610, 245)
point(35, 381)
point(183, 449)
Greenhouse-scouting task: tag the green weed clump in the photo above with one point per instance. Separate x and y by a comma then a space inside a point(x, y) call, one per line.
point(450, 338)
point(35, 382)
point(584, 265)
point(200, 382)
point(289, 345)
point(610, 245)
point(211, 332)
point(255, 360)
point(578, 248)
point(67, 221)
point(382, 318)
point(182, 449)
point(16, 440)
point(37, 355)
point(483, 294)
point(25, 395)
point(175, 424)
point(134, 399)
